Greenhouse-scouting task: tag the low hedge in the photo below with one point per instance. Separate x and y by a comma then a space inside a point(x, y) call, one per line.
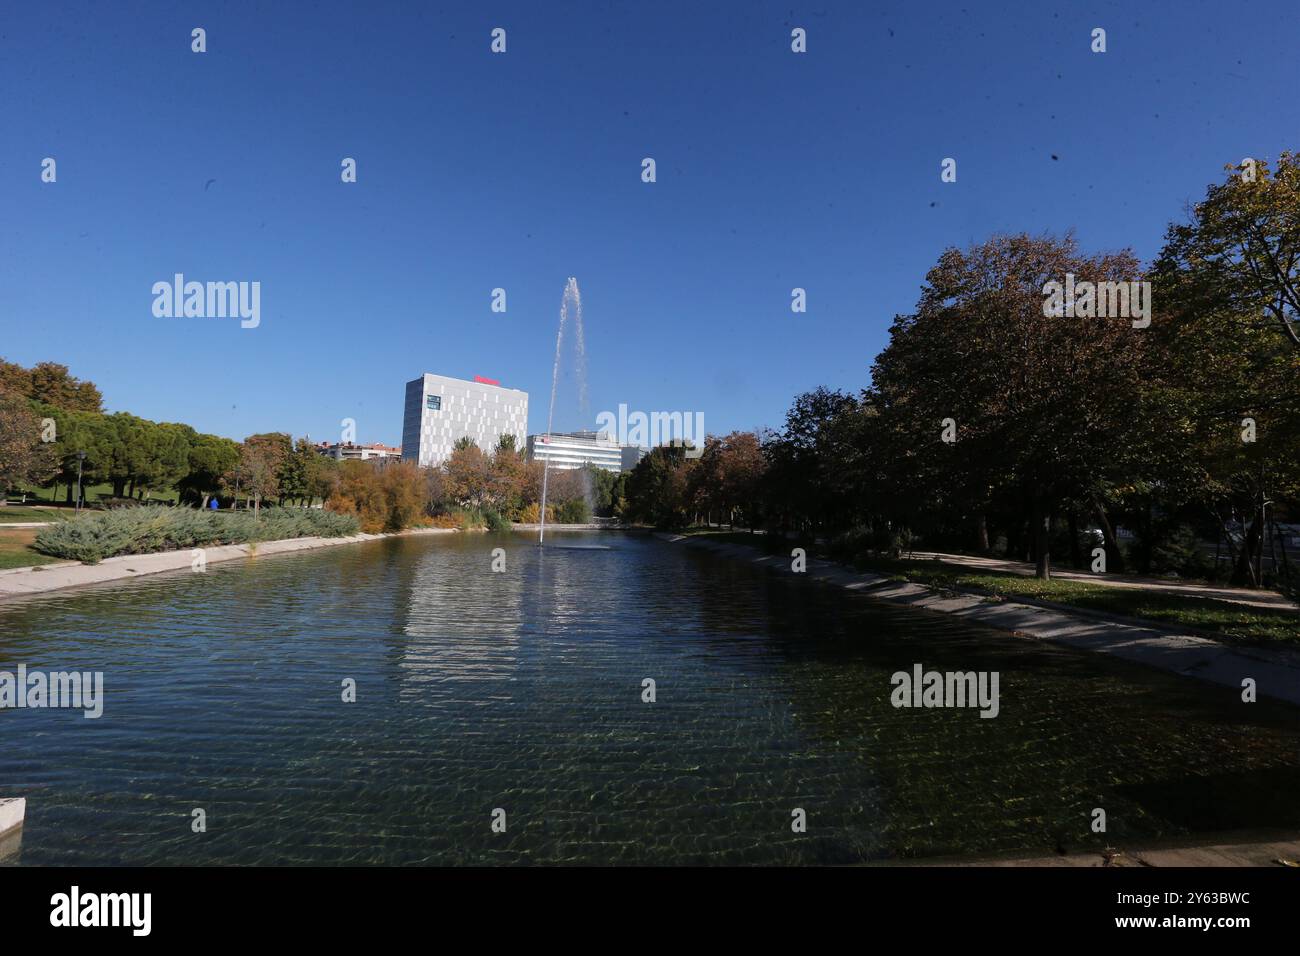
point(93, 536)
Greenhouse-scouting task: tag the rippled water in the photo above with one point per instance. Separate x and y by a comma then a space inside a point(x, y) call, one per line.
point(522, 691)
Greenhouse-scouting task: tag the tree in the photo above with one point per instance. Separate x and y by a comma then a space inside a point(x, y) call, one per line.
point(210, 457)
point(384, 499)
point(300, 471)
point(801, 459)
point(24, 458)
point(51, 383)
point(984, 398)
point(79, 433)
point(260, 459)
point(741, 468)
point(509, 478)
point(15, 379)
point(468, 480)
point(1230, 376)
point(606, 489)
point(658, 488)
point(1240, 253)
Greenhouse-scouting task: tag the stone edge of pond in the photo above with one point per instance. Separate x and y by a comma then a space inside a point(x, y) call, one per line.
point(12, 811)
point(66, 575)
point(1276, 671)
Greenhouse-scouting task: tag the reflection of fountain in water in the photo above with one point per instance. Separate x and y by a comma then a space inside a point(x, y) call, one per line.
point(572, 296)
point(461, 624)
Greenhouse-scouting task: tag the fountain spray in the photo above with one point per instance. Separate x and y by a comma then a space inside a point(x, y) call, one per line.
point(571, 295)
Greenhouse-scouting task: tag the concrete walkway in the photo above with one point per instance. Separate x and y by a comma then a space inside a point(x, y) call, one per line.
point(70, 574)
point(12, 811)
point(1265, 599)
point(1276, 671)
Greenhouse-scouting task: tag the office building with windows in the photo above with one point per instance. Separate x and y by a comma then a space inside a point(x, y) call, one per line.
point(632, 455)
point(440, 411)
point(575, 449)
point(349, 451)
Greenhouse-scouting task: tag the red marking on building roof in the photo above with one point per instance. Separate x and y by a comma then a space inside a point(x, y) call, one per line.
point(486, 381)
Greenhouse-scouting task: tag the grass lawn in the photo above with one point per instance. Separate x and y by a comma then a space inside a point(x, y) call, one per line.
point(1231, 622)
point(58, 494)
point(16, 550)
point(10, 514)
point(1236, 622)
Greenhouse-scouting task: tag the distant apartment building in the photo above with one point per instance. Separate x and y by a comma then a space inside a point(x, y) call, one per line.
point(632, 455)
point(347, 451)
point(566, 450)
point(440, 411)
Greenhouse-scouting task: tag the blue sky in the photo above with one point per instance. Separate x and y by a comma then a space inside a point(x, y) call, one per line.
point(478, 171)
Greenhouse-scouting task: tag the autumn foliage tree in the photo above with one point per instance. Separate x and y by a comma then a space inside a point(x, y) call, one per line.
point(24, 457)
point(986, 401)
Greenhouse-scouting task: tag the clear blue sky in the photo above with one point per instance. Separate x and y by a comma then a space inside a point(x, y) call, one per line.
point(476, 170)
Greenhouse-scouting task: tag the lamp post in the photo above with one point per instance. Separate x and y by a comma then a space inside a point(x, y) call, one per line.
point(81, 457)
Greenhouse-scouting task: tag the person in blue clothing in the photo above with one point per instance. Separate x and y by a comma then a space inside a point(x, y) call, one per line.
point(214, 504)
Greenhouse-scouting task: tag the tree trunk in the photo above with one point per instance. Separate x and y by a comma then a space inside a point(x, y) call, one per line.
point(1042, 542)
point(1286, 563)
point(982, 533)
point(1114, 556)
point(1243, 575)
point(1147, 552)
point(1014, 537)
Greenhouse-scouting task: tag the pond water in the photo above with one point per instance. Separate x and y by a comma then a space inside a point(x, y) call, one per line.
point(522, 690)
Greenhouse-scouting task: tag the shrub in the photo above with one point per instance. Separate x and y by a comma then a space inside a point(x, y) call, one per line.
point(531, 514)
point(1179, 551)
point(573, 511)
point(93, 536)
point(383, 499)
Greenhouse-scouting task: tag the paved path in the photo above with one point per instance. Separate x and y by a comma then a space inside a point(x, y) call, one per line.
point(12, 810)
point(1276, 671)
point(70, 574)
point(1266, 599)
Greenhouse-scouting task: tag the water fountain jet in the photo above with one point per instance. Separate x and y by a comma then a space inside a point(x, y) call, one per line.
point(573, 296)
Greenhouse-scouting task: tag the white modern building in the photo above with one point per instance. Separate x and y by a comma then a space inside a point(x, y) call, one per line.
point(440, 411)
point(575, 449)
point(632, 455)
point(348, 451)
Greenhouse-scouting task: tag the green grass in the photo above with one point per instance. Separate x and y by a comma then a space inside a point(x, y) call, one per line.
point(1235, 622)
point(58, 493)
point(16, 550)
point(1223, 619)
point(11, 514)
